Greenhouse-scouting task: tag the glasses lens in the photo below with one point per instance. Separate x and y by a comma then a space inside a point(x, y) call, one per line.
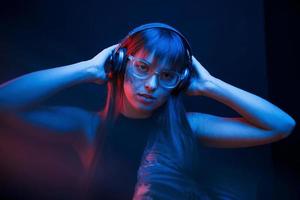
point(168, 78)
point(140, 69)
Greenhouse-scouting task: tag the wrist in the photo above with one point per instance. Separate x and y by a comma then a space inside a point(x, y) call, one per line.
point(209, 86)
point(89, 70)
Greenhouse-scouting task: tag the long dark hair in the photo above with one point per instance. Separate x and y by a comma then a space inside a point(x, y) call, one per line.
point(175, 135)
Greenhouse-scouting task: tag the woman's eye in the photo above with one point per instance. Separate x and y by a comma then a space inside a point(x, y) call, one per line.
point(167, 75)
point(143, 68)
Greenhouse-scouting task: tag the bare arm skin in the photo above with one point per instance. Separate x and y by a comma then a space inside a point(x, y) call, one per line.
point(23, 94)
point(262, 122)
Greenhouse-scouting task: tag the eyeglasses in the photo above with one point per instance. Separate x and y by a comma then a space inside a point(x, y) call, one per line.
point(142, 70)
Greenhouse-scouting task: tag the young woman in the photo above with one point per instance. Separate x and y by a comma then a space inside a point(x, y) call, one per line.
point(144, 128)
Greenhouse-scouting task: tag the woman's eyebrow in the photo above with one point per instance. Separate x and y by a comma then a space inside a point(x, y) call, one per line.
point(143, 60)
point(149, 63)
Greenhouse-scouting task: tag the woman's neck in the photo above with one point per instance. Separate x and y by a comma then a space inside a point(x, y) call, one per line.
point(128, 111)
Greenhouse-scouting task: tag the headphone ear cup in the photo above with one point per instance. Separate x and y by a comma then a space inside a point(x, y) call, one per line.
point(185, 80)
point(119, 60)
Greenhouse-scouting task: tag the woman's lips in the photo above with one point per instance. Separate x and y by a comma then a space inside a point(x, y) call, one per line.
point(146, 95)
point(145, 99)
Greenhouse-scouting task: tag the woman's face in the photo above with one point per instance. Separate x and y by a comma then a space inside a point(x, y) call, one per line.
point(142, 96)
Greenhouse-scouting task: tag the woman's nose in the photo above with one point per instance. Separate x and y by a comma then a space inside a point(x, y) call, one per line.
point(151, 83)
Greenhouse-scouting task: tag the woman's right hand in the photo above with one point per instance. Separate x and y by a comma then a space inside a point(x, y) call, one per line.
point(97, 65)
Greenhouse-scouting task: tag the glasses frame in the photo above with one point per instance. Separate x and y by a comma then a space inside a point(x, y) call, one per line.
point(132, 58)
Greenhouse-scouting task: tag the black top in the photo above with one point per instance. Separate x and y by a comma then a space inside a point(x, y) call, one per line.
point(116, 173)
point(129, 168)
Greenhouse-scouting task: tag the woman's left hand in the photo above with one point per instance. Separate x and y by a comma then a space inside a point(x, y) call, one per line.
point(199, 80)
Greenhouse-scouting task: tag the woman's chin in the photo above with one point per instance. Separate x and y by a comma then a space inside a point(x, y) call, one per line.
point(144, 108)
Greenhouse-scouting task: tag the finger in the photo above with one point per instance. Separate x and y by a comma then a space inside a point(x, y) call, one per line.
point(112, 47)
point(108, 51)
point(195, 61)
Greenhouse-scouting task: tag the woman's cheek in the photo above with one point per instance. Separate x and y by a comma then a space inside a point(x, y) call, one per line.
point(130, 88)
point(128, 79)
point(129, 92)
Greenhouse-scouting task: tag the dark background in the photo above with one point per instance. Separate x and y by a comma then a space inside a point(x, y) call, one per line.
point(250, 44)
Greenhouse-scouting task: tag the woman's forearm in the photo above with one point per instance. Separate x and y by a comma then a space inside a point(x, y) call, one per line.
point(255, 109)
point(34, 87)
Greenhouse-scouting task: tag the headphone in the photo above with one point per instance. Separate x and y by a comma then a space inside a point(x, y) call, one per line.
point(117, 60)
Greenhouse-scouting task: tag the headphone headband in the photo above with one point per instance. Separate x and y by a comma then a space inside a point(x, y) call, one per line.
point(164, 26)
